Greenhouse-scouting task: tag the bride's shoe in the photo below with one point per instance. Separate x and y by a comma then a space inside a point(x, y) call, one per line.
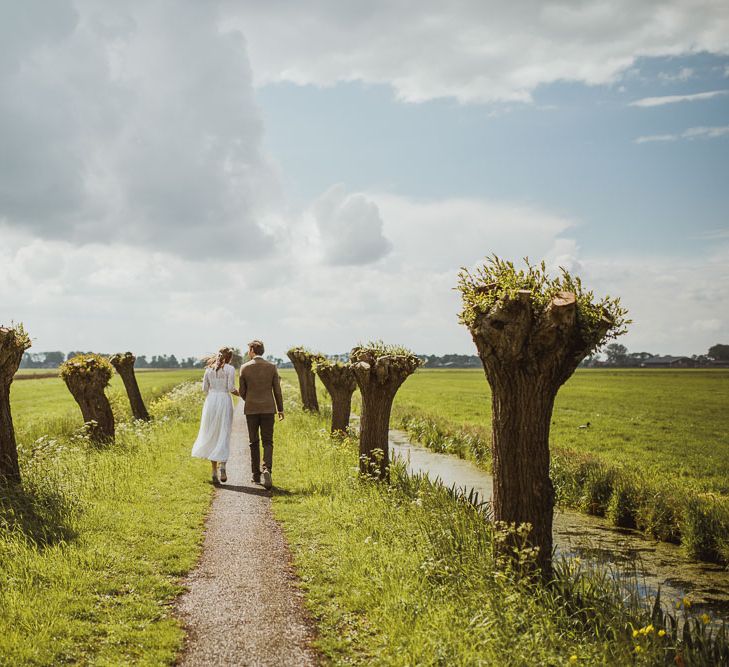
point(222, 473)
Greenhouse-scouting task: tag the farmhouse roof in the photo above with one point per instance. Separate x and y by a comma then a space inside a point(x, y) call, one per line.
point(667, 359)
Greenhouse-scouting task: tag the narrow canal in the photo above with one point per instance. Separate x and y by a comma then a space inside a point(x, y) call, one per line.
point(657, 564)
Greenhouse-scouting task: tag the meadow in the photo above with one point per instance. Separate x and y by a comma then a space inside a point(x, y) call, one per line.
point(406, 574)
point(92, 547)
point(647, 449)
point(43, 406)
point(671, 422)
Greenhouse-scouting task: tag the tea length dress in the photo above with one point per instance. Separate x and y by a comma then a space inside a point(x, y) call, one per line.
point(213, 439)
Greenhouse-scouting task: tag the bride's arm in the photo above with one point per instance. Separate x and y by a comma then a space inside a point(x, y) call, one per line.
point(206, 382)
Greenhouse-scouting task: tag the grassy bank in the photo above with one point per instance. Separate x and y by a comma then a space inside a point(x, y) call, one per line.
point(655, 455)
point(45, 406)
point(405, 575)
point(92, 548)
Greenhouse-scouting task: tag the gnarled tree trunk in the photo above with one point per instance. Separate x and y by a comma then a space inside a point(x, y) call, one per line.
point(302, 361)
point(527, 354)
point(86, 377)
point(13, 342)
point(340, 383)
point(124, 364)
point(378, 378)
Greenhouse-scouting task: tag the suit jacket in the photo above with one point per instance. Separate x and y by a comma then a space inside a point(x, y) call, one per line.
point(260, 387)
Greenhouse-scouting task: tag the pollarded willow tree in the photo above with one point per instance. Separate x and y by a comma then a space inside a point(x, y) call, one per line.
point(379, 370)
point(124, 364)
point(302, 359)
point(86, 376)
point(13, 342)
point(339, 381)
point(531, 332)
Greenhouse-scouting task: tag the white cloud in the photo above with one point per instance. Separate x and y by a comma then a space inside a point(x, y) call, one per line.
point(691, 133)
point(350, 228)
point(684, 74)
point(131, 122)
point(473, 51)
point(673, 99)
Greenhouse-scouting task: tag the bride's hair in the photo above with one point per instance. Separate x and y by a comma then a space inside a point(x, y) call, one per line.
point(217, 361)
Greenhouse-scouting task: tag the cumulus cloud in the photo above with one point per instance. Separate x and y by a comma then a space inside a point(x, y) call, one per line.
point(350, 227)
point(673, 99)
point(131, 122)
point(690, 133)
point(485, 51)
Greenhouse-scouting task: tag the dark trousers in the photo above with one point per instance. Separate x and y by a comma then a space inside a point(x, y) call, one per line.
point(264, 425)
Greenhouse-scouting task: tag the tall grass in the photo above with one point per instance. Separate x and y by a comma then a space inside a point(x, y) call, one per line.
point(662, 507)
point(406, 574)
point(94, 542)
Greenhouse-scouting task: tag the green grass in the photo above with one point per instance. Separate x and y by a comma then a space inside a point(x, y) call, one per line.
point(405, 574)
point(672, 422)
point(655, 455)
point(45, 406)
point(93, 546)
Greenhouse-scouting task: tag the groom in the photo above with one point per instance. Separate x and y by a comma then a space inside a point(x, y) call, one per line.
point(260, 388)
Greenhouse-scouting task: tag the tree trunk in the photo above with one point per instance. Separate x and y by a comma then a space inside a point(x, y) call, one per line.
point(9, 468)
point(307, 380)
point(341, 410)
point(374, 438)
point(13, 342)
point(339, 381)
point(95, 407)
point(124, 364)
point(523, 491)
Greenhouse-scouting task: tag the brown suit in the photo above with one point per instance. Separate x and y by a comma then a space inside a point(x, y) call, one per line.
point(260, 388)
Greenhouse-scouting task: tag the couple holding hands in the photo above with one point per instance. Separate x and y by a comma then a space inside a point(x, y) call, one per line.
point(260, 390)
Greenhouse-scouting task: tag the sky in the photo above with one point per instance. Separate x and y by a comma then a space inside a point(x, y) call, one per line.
point(178, 176)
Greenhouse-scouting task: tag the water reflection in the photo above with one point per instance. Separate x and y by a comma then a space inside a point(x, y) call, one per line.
point(654, 564)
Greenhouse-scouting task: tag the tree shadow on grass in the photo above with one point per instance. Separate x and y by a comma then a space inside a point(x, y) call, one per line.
point(42, 516)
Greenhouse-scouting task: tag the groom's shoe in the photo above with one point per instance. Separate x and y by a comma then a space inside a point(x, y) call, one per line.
point(256, 479)
point(266, 479)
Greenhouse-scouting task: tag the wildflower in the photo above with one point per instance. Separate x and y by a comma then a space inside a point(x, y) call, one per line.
point(687, 603)
point(648, 629)
point(638, 649)
point(705, 618)
point(573, 659)
point(635, 633)
point(661, 633)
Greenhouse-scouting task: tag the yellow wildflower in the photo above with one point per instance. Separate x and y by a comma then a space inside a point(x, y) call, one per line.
point(687, 603)
point(649, 629)
point(638, 649)
point(573, 658)
point(705, 618)
point(635, 633)
point(661, 633)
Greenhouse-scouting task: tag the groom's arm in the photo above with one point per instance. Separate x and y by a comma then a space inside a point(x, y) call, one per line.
point(243, 386)
point(277, 392)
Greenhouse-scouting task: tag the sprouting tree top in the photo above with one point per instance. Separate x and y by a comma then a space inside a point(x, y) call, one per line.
point(90, 365)
point(15, 334)
point(301, 352)
point(121, 358)
point(497, 282)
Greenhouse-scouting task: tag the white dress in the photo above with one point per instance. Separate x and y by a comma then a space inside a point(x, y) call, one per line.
point(213, 439)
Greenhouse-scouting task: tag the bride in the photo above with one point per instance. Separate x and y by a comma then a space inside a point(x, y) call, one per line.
point(213, 439)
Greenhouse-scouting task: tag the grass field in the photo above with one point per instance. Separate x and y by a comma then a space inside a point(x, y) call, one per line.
point(405, 575)
point(93, 546)
point(42, 406)
point(672, 422)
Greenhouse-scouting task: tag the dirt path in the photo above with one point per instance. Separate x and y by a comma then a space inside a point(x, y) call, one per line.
point(242, 606)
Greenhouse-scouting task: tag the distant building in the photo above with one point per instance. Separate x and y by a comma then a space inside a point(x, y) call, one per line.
point(668, 361)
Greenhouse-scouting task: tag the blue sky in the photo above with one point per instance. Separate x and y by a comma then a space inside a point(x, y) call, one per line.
point(175, 176)
point(573, 150)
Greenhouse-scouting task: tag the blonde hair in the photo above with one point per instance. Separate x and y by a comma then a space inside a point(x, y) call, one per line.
point(217, 361)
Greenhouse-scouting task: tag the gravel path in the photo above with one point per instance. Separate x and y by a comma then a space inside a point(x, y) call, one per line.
point(242, 606)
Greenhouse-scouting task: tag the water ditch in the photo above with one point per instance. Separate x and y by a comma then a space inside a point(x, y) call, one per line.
point(656, 564)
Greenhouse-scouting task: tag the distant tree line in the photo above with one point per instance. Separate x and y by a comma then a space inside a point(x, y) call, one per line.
point(615, 355)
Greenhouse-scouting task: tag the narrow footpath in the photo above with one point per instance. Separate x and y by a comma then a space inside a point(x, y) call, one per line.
point(242, 606)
